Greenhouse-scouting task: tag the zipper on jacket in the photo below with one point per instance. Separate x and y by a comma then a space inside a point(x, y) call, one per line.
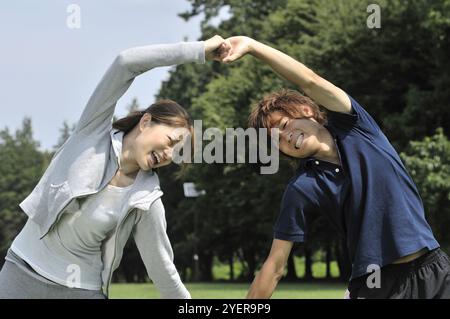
point(115, 247)
point(115, 250)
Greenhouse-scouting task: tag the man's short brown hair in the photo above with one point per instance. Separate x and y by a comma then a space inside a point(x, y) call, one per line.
point(287, 102)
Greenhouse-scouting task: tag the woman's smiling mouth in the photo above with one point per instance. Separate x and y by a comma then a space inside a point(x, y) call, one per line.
point(154, 158)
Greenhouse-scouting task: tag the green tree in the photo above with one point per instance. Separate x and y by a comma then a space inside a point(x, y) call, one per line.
point(428, 161)
point(22, 165)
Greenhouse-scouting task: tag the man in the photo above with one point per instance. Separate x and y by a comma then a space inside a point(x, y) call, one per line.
point(351, 173)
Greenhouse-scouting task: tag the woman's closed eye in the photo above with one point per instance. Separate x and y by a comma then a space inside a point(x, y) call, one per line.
point(173, 142)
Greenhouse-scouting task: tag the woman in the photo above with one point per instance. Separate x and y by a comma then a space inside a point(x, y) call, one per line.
point(100, 187)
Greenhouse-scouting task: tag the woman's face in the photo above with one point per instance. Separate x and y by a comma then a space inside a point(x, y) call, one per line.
point(298, 137)
point(155, 142)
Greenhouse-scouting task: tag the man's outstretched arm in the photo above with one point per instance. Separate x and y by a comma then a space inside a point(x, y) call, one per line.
point(316, 87)
point(272, 270)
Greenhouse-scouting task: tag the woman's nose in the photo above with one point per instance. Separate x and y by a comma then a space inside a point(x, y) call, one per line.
point(168, 153)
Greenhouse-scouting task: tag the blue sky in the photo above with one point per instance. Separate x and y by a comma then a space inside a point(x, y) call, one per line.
point(48, 70)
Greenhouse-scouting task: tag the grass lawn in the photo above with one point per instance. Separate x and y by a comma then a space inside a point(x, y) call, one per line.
point(222, 271)
point(220, 290)
point(234, 291)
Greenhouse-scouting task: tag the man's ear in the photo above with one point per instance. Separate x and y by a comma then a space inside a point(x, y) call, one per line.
point(145, 121)
point(307, 111)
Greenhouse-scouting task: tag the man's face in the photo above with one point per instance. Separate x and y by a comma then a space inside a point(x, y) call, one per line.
point(298, 136)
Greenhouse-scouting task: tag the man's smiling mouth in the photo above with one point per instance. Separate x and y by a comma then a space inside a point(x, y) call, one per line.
point(299, 141)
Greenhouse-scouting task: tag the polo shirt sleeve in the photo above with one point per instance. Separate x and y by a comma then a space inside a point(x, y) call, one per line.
point(358, 119)
point(290, 224)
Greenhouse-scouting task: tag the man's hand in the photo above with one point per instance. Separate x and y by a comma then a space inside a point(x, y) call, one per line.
point(216, 48)
point(240, 46)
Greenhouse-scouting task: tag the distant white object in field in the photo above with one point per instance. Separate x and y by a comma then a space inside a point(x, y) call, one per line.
point(191, 191)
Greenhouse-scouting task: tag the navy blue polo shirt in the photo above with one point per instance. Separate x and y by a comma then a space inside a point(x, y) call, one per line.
point(371, 199)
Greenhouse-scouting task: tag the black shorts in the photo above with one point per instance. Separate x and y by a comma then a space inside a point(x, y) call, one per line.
point(427, 277)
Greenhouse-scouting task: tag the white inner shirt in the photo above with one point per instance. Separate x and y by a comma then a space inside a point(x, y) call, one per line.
point(83, 231)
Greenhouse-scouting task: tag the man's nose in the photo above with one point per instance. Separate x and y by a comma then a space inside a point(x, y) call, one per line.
point(285, 135)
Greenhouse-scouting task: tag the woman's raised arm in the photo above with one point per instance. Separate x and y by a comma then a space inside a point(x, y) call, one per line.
point(132, 62)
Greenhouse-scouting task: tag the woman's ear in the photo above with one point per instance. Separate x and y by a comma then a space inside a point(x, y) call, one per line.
point(145, 121)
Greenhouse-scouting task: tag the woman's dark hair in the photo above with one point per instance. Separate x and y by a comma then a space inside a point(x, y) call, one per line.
point(165, 111)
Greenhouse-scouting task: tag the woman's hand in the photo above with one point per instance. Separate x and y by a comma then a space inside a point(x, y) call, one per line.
point(240, 46)
point(216, 48)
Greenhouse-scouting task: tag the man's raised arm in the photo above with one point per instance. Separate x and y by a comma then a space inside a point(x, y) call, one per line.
point(320, 90)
